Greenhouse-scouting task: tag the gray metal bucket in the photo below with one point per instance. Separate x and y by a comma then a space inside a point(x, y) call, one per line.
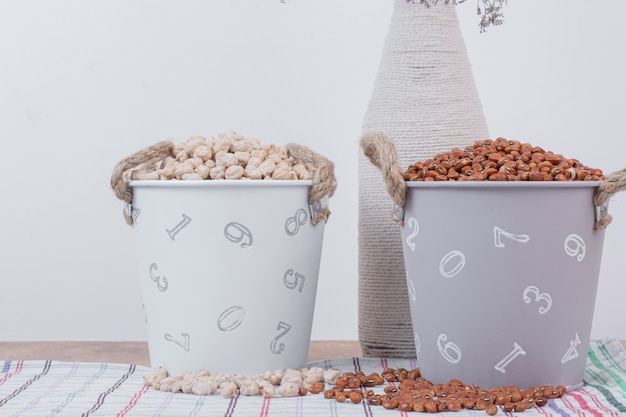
point(502, 280)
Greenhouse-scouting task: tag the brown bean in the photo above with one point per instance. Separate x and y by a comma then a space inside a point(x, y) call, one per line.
point(405, 405)
point(431, 407)
point(355, 397)
point(492, 410)
point(389, 403)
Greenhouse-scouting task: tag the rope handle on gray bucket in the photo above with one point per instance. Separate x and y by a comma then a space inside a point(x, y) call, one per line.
point(381, 151)
point(614, 183)
point(324, 183)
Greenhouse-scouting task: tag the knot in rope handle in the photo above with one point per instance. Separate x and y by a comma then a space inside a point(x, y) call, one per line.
point(324, 183)
point(381, 151)
point(119, 181)
point(615, 183)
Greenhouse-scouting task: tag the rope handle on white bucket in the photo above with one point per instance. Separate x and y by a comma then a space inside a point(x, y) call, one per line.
point(614, 183)
point(381, 151)
point(324, 183)
point(146, 156)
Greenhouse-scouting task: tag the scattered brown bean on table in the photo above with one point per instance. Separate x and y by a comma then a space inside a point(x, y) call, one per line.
point(408, 391)
point(501, 160)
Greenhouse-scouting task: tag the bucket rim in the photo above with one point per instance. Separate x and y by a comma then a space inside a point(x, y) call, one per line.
point(503, 184)
point(218, 183)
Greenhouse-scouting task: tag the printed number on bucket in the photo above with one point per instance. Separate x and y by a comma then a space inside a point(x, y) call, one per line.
point(450, 351)
point(238, 233)
point(452, 263)
point(499, 233)
point(297, 280)
point(161, 282)
point(538, 297)
point(231, 318)
point(275, 347)
point(410, 239)
point(180, 226)
point(572, 352)
point(292, 225)
point(574, 245)
point(517, 351)
point(184, 344)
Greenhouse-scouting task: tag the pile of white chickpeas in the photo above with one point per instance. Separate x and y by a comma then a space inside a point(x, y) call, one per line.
point(230, 156)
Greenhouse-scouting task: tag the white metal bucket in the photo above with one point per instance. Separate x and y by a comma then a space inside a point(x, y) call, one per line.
point(228, 273)
point(502, 280)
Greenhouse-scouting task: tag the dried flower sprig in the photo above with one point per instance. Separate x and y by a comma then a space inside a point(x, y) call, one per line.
point(490, 13)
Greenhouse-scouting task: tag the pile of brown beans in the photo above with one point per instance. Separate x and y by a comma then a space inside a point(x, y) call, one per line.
point(501, 160)
point(408, 391)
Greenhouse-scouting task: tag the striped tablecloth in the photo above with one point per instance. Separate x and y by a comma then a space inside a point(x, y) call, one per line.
point(52, 388)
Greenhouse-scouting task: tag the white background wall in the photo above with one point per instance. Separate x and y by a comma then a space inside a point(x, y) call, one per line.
point(84, 84)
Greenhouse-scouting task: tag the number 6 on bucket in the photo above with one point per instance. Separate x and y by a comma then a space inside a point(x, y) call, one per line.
point(449, 350)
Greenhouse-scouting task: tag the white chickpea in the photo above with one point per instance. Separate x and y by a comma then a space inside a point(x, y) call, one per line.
point(194, 162)
point(254, 161)
point(289, 389)
point(258, 153)
point(143, 175)
point(240, 146)
point(226, 160)
point(229, 389)
point(249, 388)
point(204, 386)
point(253, 173)
point(275, 157)
point(203, 152)
point(267, 389)
point(267, 167)
point(217, 173)
point(203, 171)
point(182, 169)
point(242, 157)
point(284, 174)
point(275, 377)
point(192, 176)
point(239, 379)
point(221, 145)
point(172, 383)
point(154, 379)
point(182, 156)
point(167, 173)
point(191, 144)
point(234, 172)
point(222, 378)
point(302, 172)
point(332, 375)
point(187, 386)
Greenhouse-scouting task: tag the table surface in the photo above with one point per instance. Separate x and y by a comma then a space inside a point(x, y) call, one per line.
point(137, 352)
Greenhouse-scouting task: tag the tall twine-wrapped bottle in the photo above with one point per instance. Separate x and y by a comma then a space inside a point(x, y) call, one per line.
point(425, 100)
